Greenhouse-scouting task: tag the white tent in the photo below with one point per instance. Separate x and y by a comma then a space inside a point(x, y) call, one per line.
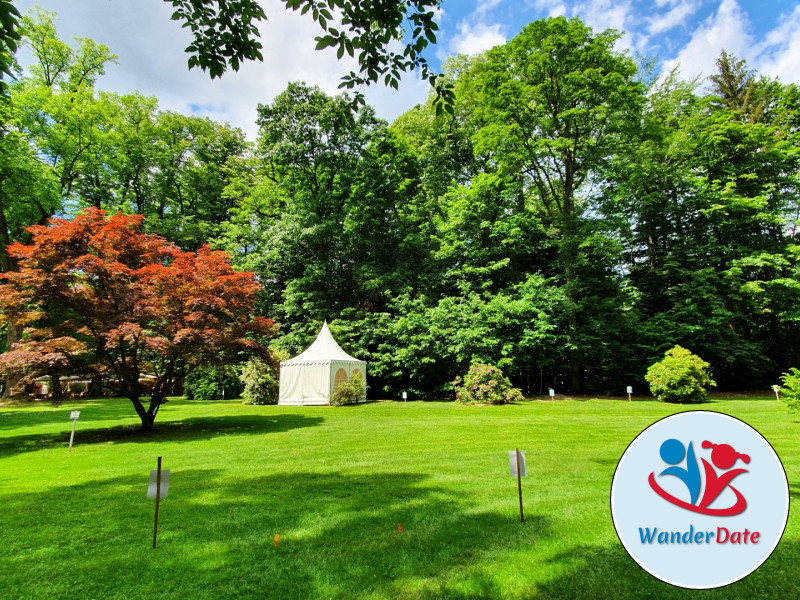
point(310, 377)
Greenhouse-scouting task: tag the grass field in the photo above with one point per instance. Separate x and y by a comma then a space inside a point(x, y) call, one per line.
point(335, 483)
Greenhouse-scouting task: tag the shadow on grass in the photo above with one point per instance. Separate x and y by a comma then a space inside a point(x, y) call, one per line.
point(794, 492)
point(339, 539)
point(185, 430)
point(608, 572)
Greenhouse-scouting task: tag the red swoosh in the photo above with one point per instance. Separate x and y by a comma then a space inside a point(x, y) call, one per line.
point(737, 508)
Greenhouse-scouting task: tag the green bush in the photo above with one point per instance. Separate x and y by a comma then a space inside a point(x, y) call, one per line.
point(485, 384)
point(349, 392)
point(680, 377)
point(212, 383)
point(790, 390)
point(261, 384)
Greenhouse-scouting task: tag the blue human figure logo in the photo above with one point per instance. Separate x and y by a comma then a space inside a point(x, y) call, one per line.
point(672, 452)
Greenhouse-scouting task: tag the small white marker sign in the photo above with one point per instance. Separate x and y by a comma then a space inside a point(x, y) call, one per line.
point(775, 388)
point(405, 396)
point(73, 416)
point(512, 462)
point(552, 393)
point(630, 389)
point(151, 487)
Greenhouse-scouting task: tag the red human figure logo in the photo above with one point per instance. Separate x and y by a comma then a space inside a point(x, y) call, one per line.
point(724, 457)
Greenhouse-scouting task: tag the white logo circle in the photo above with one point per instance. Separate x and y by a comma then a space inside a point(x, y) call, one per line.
point(699, 499)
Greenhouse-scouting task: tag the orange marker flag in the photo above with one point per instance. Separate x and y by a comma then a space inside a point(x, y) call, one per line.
point(399, 527)
point(277, 539)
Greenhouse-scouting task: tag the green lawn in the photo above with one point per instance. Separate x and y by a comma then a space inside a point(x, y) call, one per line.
point(335, 483)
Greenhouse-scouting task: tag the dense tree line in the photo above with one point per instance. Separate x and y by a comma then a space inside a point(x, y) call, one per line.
point(569, 221)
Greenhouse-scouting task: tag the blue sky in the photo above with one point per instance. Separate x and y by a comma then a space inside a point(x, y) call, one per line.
point(689, 33)
point(692, 31)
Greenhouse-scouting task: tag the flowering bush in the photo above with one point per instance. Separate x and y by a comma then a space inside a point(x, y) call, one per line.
point(790, 390)
point(261, 383)
point(349, 392)
point(485, 384)
point(680, 377)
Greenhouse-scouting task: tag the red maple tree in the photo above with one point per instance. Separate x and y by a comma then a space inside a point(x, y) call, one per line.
point(98, 293)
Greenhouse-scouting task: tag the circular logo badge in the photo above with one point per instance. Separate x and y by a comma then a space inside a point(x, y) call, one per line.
point(699, 499)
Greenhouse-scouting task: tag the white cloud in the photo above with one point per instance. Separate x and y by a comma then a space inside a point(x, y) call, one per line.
point(727, 29)
point(485, 6)
point(553, 8)
point(152, 60)
point(679, 13)
point(605, 14)
point(390, 103)
point(472, 39)
point(779, 53)
point(610, 14)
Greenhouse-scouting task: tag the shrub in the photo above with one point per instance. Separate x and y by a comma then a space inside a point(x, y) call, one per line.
point(680, 377)
point(349, 392)
point(261, 384)
point(790, 390)
point(485, 384)
point(212, 383)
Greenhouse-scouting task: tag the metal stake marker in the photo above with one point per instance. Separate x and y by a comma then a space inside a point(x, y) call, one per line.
point(519, 488)
point(158, 499)
point(74, 416)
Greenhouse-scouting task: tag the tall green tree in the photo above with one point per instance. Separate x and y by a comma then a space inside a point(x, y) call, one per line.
point(705, 195)
point(60, 112)
point(553, 105)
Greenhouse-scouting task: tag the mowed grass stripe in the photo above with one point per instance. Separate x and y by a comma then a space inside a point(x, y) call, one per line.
point(335, 483)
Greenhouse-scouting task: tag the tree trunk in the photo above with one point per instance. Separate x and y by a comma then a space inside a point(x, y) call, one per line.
point(575, 378)
point(569, 251)
point(15, 380)
point(95, 387)
point(144, 415)
point(58, 392)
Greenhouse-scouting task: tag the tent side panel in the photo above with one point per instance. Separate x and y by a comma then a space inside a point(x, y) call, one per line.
point(315, 384)
point(304, 384)
point(349, 366)
point(290, 385)
point(362, 368)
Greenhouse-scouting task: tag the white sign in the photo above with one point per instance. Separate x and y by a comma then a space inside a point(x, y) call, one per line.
point(512, 462)
point(775, 388)
point(74, 415)
point(151, 487)
point(630, 389)
point(405, 396)
point(552, 393)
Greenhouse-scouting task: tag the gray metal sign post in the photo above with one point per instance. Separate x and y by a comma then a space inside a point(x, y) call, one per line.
point(516, 460)
point(158, 488)
point(74, 418)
